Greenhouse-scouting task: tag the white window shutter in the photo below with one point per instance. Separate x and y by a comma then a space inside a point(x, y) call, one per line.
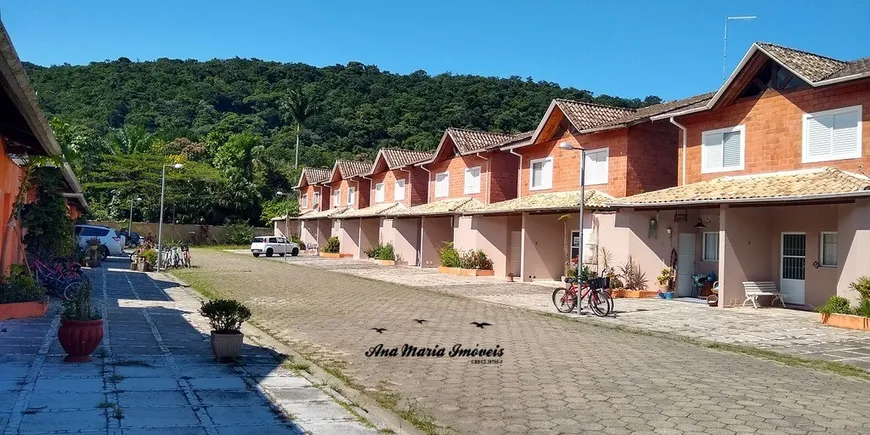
point(713, 151)
point(547, 177)
point(731, 149)
point(844, 139)
point(399, 190)
point(819, 135)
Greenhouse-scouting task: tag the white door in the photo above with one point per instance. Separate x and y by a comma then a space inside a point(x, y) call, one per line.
point(516, 249)
point(793, 267)
point(685, 264)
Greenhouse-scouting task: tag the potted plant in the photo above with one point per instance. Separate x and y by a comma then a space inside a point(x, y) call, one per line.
point(81, 328)
point(664, 279)
point(147, 260)
point(225, 317)
point(93, 252)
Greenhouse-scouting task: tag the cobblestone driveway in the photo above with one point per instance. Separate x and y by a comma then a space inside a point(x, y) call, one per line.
point(556, 376)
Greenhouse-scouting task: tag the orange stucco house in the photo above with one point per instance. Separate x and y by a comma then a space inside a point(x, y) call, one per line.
point(772, 180)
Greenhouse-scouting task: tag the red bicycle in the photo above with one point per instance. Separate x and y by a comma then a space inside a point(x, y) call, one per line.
point(597, 299)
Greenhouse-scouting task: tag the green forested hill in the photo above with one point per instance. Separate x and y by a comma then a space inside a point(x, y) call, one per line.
point(123, 108)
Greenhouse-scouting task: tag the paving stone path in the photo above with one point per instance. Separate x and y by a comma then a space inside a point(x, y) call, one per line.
point(153, 374)
point(556, 376)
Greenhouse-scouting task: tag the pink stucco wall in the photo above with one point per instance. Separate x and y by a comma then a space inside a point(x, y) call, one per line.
point(369, 235)
point(436, 231)
point(404, 234)
point(281, 228)
point(853, 254)
point(490, 234)
point(348, 234)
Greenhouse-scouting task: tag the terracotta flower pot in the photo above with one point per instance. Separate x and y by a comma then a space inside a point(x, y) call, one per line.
point(79, 338)
point(226, 346)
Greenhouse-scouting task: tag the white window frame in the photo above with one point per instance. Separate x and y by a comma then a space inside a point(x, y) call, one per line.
point(396, 190)
point(336, 198)
point(822, 248)
point(446, 182)
point(304, 200)
point(379, 196)
point(805, 139)
point(606, 151)
point(467, 174)
point(316, 199)
point(704, 246)
point(742, 129)
point(544, 185)
point(351, 195)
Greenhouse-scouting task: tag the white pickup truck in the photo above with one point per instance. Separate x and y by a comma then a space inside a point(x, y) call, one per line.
point(271, 245)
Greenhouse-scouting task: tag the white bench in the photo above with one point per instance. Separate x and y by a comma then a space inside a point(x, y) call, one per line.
point(754, 289)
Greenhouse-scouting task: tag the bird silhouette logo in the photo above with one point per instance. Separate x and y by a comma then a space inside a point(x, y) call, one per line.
point(380, 330)
point(481, 325)
point(420, 321)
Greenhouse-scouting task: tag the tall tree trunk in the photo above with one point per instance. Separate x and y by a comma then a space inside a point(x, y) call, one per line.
point(296, 165)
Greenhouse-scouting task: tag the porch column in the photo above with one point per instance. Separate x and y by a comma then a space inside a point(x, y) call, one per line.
point(744, 252)
point(853, 240)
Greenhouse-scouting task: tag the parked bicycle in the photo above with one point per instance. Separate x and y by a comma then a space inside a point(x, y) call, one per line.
point(62, 278)
point(593, 291)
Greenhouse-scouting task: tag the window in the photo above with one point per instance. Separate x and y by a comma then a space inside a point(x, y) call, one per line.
point(351, 195)
point(575, 242)
point(399, 191)
point(828, 250)
point(93, 232)
point(722, 150)
point(336, 198)
point(316, 200)
point(596, 166)
point(832, 135)
point(710, 250)
point(273, 240)
point(304, 200)
point(442, 184)
point(541, 174)
point(472, 180)
point(379, 192)
point(282, 240)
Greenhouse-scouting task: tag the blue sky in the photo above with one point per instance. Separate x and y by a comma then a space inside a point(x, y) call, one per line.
point(626, 48)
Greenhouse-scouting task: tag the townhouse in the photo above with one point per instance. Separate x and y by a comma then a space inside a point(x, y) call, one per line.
point(772, 180)
point(311, 200)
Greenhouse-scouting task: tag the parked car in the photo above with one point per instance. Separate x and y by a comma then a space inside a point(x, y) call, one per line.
point(270, 245)
point(110, 242)
point(132, 239)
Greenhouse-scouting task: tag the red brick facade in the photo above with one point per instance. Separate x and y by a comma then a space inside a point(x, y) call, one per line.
point(309, 191)
point(773, 126)
point(415, 185)
point(498, 173)
point(361, 197)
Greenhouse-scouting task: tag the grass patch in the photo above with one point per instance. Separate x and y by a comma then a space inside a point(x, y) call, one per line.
point(106, 405)
point(419, 419)
point(119, 413)
point(222, 247)
point(131, 363)
point(297, 366)
point(116, 378)
point(352, 410)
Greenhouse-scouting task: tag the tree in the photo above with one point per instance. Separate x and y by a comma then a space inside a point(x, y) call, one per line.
point(130, 139)
point(299, 106)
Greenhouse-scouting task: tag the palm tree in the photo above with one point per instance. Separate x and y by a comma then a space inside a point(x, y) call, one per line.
point(299, 106)
point(130, 139)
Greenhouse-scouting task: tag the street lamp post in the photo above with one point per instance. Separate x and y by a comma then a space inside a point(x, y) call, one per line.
point(130, 225)
point(286, 220)
point(568, 146)
point(160, 224)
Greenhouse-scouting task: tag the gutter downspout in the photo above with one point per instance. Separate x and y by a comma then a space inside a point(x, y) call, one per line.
point(683, 163)
point(428, 184)
point(488, 175)
point(520, 175)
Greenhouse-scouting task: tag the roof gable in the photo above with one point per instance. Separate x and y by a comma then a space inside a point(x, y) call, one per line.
point(344, 169)
point(312, 176)
point(392, 158)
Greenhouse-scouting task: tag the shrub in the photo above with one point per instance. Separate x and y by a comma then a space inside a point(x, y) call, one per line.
point(79, 307)
point(295, 239)
point(238, 234)
point(332, 245)
point(862, 286)
point(836, 305)
point(448, 255)
point(225, 315)
point(382, 252)
point(19, 286)
point(632, 276)
point(150, 256)
point(863, 309)
point(665, 277)
point(475, 260)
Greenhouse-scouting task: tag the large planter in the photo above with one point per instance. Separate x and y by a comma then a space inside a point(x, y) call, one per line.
point(465, 272)
point(384, 262)
point(226, 346)
point(638, 294)
point(335, 255)
point(22, 310)
point(79, 338)
point(93, 262)
point(847, 321)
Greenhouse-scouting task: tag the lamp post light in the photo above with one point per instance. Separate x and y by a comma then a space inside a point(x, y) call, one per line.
point(286, 220)
point(130, 225)
point(725, 43)
point(568, 146)
point(160, 224)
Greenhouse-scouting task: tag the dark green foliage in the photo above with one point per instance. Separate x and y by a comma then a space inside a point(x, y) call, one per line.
point(224, 315)
point(50, 230)
point(19, 286)
point(279, 207)
point(238, 234)
point(836, 305)
point(862, 286)
point(235, 124)
point(79, 307)
point(632, 276)
point(150, 256)
point(382, 252)
point(475, 260)
point(295, 239)
point(332, 245)
point(448, 255)
point(863, 308)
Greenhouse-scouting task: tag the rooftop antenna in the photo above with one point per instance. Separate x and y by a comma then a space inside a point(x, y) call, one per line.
point(725, 50)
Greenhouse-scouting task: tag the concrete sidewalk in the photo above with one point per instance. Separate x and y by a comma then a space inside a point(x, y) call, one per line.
point(154, 372)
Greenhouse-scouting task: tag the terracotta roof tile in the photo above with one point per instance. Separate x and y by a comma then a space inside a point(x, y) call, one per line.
point(442, 207)
point(397, 158)
point(373, 211)
point(812, 66)
point(352, 168)
point(644, 113)
point(860, 66)
point(799, 184)
point(469, 141)
point(547, 202)
point(518, 140)
point(587, 115)
point(315, 175)
point(323, 214)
